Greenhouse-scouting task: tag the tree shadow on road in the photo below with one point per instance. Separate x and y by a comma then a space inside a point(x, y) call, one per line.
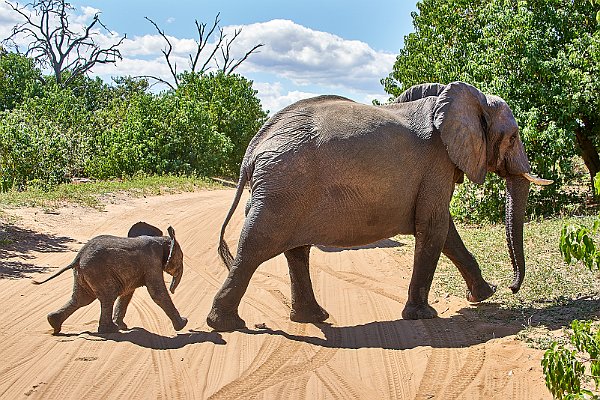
point(16, 245)
point(471, 326)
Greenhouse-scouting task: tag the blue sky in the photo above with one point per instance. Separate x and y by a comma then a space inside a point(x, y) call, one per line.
point(311, 47)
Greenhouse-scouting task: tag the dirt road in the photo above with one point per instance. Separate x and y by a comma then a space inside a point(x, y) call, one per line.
point(366, 352)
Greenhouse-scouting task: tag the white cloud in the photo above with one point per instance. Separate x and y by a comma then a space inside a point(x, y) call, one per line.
point(292, 53)
point(86, 16)
point(309, 57)
point(273, 96)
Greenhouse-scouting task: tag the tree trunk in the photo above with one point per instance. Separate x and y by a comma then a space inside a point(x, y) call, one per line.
point(589, 153)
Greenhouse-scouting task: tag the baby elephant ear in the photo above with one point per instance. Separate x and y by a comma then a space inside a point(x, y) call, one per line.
point(143, 229)
point(461, 117)
point(171, 232)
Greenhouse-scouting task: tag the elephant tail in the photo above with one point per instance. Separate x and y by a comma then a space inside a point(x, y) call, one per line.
point(224, 251)
point(73, 264)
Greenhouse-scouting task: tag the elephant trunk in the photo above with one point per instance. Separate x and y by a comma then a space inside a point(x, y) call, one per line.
point(517, 190)
point(176, 280)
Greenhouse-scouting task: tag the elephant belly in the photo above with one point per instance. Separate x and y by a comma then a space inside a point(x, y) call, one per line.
point(349, 216)
point(350, 227)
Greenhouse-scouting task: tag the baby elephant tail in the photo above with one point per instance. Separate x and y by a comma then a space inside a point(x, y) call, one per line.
point(73, 264)
point(223, 249)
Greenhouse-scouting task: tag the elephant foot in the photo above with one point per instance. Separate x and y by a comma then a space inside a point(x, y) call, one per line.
point(480, 293)
point(224, 322)
point(122, 325)
point(306, 314)
point(55, 321)
point(108, 328)
point(418, 311)
point(179, 325)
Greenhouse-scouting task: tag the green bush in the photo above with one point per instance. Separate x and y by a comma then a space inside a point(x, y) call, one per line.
point(45, 140)
point(568, 368)
point(100, 131)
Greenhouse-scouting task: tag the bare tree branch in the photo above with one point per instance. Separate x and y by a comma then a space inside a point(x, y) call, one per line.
point(241, 60)
point(221, 46)
point(52, 42)
point(202, 42)
point(167, 53)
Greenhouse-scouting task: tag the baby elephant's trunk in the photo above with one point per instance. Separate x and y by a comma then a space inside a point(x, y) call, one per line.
point(175, 281)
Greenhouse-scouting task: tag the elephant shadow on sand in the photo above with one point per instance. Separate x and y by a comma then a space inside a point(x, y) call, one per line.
point(471, 326)
point(150, 340)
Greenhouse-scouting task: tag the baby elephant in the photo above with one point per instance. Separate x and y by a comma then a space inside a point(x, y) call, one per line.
point(110, 268)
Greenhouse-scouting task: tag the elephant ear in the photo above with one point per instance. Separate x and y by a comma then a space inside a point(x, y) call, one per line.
point(143, 229)
point(417, 92)
point(166, 259)
point(461, 117)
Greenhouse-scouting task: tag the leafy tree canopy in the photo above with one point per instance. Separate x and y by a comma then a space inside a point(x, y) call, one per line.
point(542, 57)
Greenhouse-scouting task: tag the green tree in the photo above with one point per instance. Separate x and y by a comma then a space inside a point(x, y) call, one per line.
point(542, 57)
point(19, 79)
point(233, 108)
point(45, 140)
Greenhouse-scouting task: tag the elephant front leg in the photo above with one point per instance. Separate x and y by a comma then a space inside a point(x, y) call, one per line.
point(121, 309)
point(455, 250)
point(160, 295)
point(429, 240)
point(304, 305)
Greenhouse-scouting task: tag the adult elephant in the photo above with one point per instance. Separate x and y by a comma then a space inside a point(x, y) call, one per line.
point(329, 171)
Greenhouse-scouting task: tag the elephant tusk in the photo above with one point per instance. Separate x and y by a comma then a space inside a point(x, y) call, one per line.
point(537, 180)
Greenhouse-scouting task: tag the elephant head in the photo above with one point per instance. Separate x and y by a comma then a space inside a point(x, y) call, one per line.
point(481, 135)
point(174, 260)
point(172, 255)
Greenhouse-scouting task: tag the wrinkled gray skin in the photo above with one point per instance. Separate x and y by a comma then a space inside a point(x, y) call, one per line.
point(110, 268)
point(329, 171)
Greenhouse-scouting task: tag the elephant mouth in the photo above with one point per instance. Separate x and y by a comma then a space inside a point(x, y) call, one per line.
point(536, 179)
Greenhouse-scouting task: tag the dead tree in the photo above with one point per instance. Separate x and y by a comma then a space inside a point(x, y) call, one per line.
point(54, 44)
point(222, 46)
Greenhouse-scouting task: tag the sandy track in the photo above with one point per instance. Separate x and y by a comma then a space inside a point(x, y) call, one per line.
point(367, 351)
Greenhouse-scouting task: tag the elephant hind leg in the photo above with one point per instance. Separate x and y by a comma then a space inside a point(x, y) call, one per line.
point(79, 298)
point(224, 316)
point(304, 305)
point(258, 243)
point(106, 324)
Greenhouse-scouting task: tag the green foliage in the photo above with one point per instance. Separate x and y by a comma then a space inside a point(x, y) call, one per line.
point(577, 243)
point(45, 140)
point(91, 129)
point(543, 58)
point(565, 368)
point(577, 240)
point(19, 80)
point(233, 110)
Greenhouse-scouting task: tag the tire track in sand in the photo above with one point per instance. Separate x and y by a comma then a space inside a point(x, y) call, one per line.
point(449, 372)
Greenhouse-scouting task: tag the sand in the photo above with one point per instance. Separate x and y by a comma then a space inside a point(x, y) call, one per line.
point(366, 351)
